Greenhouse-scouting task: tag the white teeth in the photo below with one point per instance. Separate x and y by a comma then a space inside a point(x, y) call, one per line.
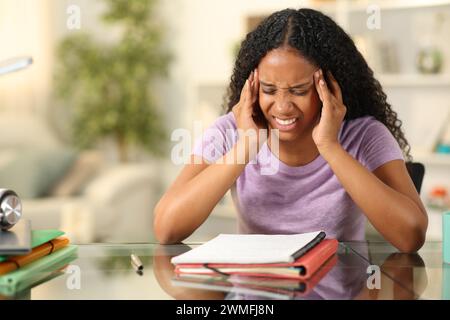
point(285, 122)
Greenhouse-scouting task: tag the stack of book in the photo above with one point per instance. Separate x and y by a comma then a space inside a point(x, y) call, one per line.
point(256, 287)
point(282, 264)
point(50, 253)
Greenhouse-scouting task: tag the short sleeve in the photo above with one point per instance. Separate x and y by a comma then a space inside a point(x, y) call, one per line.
point(378, 146)
point(217, 139)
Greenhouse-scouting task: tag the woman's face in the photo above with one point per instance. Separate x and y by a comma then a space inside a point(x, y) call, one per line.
point(287, 94)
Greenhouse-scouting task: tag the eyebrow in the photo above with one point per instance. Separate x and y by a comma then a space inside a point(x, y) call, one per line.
point(297, 86)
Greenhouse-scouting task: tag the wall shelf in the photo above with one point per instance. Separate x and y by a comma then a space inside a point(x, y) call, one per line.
point(360, 6)
point(388, 80)
point(435, 159)
point(414, 80)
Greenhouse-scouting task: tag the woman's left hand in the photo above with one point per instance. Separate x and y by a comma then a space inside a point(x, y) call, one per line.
point(325, 133)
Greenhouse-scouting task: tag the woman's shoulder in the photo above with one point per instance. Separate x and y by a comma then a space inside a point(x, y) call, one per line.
point(224, 122)
point(363, 122)
point(370, 141)
point(360, 132)
point(360, 127)
point(217, 138)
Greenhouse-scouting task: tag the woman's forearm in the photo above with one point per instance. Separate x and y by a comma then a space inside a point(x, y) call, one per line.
point(181, 211)
point(398, 218)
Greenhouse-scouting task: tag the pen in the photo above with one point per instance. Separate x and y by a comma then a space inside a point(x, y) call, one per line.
point(136, 263)
point(308, 247)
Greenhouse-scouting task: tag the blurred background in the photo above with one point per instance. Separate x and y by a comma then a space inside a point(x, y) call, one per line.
point(85, 131)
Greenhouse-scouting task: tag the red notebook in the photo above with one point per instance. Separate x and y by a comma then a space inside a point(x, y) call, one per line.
point(302, 268)
point(267, 287)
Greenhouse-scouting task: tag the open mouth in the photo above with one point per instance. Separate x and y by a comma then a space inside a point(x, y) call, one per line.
point(285, 122)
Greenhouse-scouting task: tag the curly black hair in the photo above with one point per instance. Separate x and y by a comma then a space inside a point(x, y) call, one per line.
point(325, 44)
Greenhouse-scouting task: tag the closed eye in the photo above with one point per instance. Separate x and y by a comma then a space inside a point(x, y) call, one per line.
point(269, 91)
point(295, 93)
point(299, 93)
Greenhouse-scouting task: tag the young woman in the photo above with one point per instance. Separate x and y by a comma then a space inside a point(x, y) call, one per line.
point(339, 159)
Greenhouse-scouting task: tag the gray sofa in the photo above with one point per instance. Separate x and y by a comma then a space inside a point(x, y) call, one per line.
point(79, 192)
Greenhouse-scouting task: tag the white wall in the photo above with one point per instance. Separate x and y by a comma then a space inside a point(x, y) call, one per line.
point(25, 30)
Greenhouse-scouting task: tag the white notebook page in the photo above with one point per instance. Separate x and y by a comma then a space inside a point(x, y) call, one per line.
point(247, 248)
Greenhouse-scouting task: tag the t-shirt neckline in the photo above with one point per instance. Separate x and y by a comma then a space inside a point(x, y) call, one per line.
point(283, 167)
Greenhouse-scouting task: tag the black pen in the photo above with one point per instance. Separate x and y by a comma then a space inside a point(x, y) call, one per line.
point(297, 254)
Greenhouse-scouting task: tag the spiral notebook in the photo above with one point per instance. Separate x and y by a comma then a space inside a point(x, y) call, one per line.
point(301, 269)
point(252, 248)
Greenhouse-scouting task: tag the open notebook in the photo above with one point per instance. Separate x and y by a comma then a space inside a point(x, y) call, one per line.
point(252, 248)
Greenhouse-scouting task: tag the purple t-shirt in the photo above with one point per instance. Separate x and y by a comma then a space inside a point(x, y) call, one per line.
point(300, 199)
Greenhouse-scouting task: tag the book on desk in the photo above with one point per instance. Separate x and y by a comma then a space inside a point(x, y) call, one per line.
point(267, 287)
point(297, 256)
point(50, 252)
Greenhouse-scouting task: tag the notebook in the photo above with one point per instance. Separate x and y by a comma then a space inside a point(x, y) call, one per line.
point(37, 269)
point(39, 237)
point(22, 288)
point(15, 262)
point(252, 248)
point(303, 268)
point(261, 287)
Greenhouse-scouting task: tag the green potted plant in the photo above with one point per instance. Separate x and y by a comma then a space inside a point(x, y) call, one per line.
point(107, 86)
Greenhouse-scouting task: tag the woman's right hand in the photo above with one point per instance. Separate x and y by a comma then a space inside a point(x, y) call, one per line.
point(247, 113)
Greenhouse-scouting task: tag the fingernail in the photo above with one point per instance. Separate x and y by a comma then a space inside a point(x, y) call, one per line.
point(321, 82)
point(321, 72)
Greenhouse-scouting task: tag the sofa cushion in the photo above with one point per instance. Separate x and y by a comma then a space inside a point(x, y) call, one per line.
point(31, 172)
point(83, 171)
point(22, 130)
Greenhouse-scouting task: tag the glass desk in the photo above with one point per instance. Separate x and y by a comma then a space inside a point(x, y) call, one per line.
point(360, 270)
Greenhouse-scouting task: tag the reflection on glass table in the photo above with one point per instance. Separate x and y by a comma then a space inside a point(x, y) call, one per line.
point(105, 271)
point(346, 278)
point(271, 288)
point(422, 275)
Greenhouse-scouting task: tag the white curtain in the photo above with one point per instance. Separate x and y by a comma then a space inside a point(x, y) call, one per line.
point(25, 29)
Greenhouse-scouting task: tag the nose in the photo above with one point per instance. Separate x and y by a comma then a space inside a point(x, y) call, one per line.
point(283, 104)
